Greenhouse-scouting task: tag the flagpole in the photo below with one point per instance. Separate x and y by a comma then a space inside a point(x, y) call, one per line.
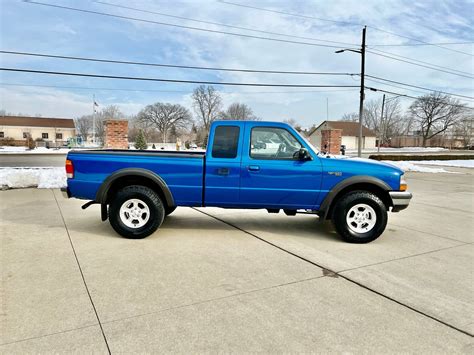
point(93, 118)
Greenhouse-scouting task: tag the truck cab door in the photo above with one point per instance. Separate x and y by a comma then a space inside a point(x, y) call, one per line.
point(222, 166)
point(273, 176)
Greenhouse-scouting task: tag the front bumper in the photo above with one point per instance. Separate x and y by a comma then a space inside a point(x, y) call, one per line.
point(400, 200)
point(65, 192)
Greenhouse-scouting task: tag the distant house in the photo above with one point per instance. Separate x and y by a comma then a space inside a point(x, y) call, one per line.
point(51, 130)
point(349, 134)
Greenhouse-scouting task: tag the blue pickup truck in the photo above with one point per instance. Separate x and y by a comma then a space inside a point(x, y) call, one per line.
point(251, 165)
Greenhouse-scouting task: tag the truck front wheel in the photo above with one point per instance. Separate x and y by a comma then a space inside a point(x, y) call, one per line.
point(136, 212)
point(359, 217)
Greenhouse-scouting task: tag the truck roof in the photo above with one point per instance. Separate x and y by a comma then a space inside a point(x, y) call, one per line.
point(256, 123)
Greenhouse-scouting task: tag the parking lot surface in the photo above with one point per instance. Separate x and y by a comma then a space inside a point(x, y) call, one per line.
point(216, 280)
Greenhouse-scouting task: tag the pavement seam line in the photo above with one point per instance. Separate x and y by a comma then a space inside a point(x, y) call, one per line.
point(48, 335)
point(213, 299)
point(451, 208)
point(82, 274)
point(434, 235)
point(329, 271)
point(403, 258)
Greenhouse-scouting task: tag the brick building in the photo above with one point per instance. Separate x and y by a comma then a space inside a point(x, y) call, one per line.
point(349, 134)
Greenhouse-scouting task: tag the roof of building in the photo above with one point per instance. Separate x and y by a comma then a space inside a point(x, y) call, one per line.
point(348, 128)
point(22, 121)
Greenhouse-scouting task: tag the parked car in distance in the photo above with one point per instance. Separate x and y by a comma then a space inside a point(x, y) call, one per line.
point(138, 189)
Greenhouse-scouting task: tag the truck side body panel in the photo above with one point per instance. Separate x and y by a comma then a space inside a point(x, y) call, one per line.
point(182, 174)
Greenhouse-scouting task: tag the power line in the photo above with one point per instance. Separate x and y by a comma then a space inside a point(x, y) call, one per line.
point(171, 91)
point(420, 41)
point(429, 66)
point(395, 86)
point(344, 23)
point(99, 60)
point(420, 44)
point(222, 24)
point(290, 14)
point(419, 87)
point(173, 80)
point(179, 26)
point(272, 33)
point(416, 98)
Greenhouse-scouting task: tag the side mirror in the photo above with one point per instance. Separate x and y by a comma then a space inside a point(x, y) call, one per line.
point(303, 154)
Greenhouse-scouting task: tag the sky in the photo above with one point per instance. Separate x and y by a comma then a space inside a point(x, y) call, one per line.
point(28, 27)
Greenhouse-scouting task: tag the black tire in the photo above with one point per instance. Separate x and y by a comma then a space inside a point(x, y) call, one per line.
point(343, 207)
point(150, 199)
point(169, 210)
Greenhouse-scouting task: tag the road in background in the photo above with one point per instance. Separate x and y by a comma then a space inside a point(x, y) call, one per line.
point(32, 160)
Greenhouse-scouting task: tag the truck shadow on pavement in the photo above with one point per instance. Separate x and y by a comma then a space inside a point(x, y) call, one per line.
point(261, 225)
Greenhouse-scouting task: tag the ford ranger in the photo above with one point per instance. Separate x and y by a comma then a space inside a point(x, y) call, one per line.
point(249, 165)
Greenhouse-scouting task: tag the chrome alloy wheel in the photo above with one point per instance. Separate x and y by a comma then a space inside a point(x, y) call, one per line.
point(134, 213)
point(361, 218)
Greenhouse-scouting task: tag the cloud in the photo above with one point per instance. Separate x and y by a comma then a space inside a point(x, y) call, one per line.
point(96, 36)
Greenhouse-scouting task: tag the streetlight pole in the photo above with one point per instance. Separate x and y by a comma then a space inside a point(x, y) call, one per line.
point(362, 94)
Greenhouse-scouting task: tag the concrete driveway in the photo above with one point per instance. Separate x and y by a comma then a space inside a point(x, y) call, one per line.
point(213, 280)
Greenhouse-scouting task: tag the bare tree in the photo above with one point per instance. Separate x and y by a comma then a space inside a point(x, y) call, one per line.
point(435, 113)
point(463, 130)
point(293, 123)
point(164, 116)
point(84, 126)
point(238, 111)
point(207, 104)
point(387, 125)
point(350, 117)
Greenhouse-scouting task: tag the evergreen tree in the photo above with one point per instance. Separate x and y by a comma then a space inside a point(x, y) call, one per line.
point(140, 142)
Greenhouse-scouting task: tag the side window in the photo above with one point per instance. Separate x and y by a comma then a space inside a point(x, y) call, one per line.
point(226, 141)
point(273, 143)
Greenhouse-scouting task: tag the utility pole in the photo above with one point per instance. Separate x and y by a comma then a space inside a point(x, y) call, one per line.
point(381, 124)
point(362, 94)
point(327, 108)
point(93, 119)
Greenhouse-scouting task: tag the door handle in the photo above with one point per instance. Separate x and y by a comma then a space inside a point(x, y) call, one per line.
point(223, 171)
point(253, 168)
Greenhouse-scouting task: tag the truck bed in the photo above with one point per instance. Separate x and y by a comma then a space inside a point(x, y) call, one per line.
point(182, 171)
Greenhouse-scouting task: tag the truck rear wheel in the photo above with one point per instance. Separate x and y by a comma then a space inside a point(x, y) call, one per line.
point(359, 217)
point(136, 212)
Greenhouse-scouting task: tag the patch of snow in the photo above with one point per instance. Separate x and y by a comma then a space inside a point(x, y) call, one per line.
point(25, 150)
point(401, 150)
point(43, 178)
point(452, 163)
point(410, 166)
point(5, 148)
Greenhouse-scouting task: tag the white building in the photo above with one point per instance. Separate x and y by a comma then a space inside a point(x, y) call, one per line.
point(53, 130)
point(349, 134)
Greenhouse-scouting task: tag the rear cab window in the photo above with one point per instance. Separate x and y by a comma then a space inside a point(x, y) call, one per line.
point(226, 142)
